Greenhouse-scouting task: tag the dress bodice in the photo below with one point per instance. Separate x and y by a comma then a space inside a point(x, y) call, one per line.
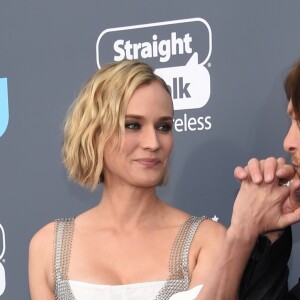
point(177, 282)
point(135, 291)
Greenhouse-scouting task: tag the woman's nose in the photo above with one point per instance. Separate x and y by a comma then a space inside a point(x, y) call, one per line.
point(150, 139)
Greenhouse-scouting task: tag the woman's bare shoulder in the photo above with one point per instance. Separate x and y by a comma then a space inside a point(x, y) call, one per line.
point(209, 236)
point(42, 241)
point(210, 226)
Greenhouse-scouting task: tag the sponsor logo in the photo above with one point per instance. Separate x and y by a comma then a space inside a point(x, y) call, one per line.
point(189, 84)
point(2, 260)
point(4, 116)
point(179, 51)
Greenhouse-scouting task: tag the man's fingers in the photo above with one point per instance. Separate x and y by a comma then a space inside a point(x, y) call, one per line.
point(267, 170)
point(240, 173)
point(270, 167)
point(295, 194)
point(291, 218)
point(281, 161)
point(255, 171)
point(285, 172)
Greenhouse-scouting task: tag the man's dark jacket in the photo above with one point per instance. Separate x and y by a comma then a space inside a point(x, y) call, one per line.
point(266, 275)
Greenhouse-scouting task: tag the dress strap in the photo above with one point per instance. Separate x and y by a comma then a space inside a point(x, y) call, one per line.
point(62, 250)
point(180, 277)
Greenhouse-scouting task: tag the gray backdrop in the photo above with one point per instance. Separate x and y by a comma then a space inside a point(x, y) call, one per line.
point(225, 62)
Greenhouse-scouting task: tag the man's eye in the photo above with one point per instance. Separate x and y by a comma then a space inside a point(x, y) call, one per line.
point(132, 126)
point(165, 127)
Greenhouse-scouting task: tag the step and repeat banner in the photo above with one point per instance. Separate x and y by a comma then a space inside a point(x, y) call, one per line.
point(224, 61)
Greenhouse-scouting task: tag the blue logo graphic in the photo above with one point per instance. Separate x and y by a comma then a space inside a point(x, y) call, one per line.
point(4, 115)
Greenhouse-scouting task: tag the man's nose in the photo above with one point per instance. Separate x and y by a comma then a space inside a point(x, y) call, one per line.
point(290, 141)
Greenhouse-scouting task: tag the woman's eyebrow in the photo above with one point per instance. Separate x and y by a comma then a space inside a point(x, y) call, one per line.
point(132, 116)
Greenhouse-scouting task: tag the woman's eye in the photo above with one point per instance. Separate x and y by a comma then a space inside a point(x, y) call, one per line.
point(165, 127)
point(132, 126)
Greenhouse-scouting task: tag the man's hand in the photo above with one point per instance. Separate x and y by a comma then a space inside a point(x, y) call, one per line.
point(268, 171)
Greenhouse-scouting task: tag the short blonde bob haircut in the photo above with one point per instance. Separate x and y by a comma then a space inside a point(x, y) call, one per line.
point(97, 114)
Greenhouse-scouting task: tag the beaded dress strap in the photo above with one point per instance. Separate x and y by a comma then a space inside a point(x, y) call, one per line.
point(62, 250)
point(180, 278)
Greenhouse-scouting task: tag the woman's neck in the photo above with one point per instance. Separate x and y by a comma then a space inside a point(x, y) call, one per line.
point(127, 207)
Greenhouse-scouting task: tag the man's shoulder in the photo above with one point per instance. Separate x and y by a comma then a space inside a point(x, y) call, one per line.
point(294, 293)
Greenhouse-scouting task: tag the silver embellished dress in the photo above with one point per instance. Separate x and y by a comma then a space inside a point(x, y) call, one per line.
point(178, 280)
